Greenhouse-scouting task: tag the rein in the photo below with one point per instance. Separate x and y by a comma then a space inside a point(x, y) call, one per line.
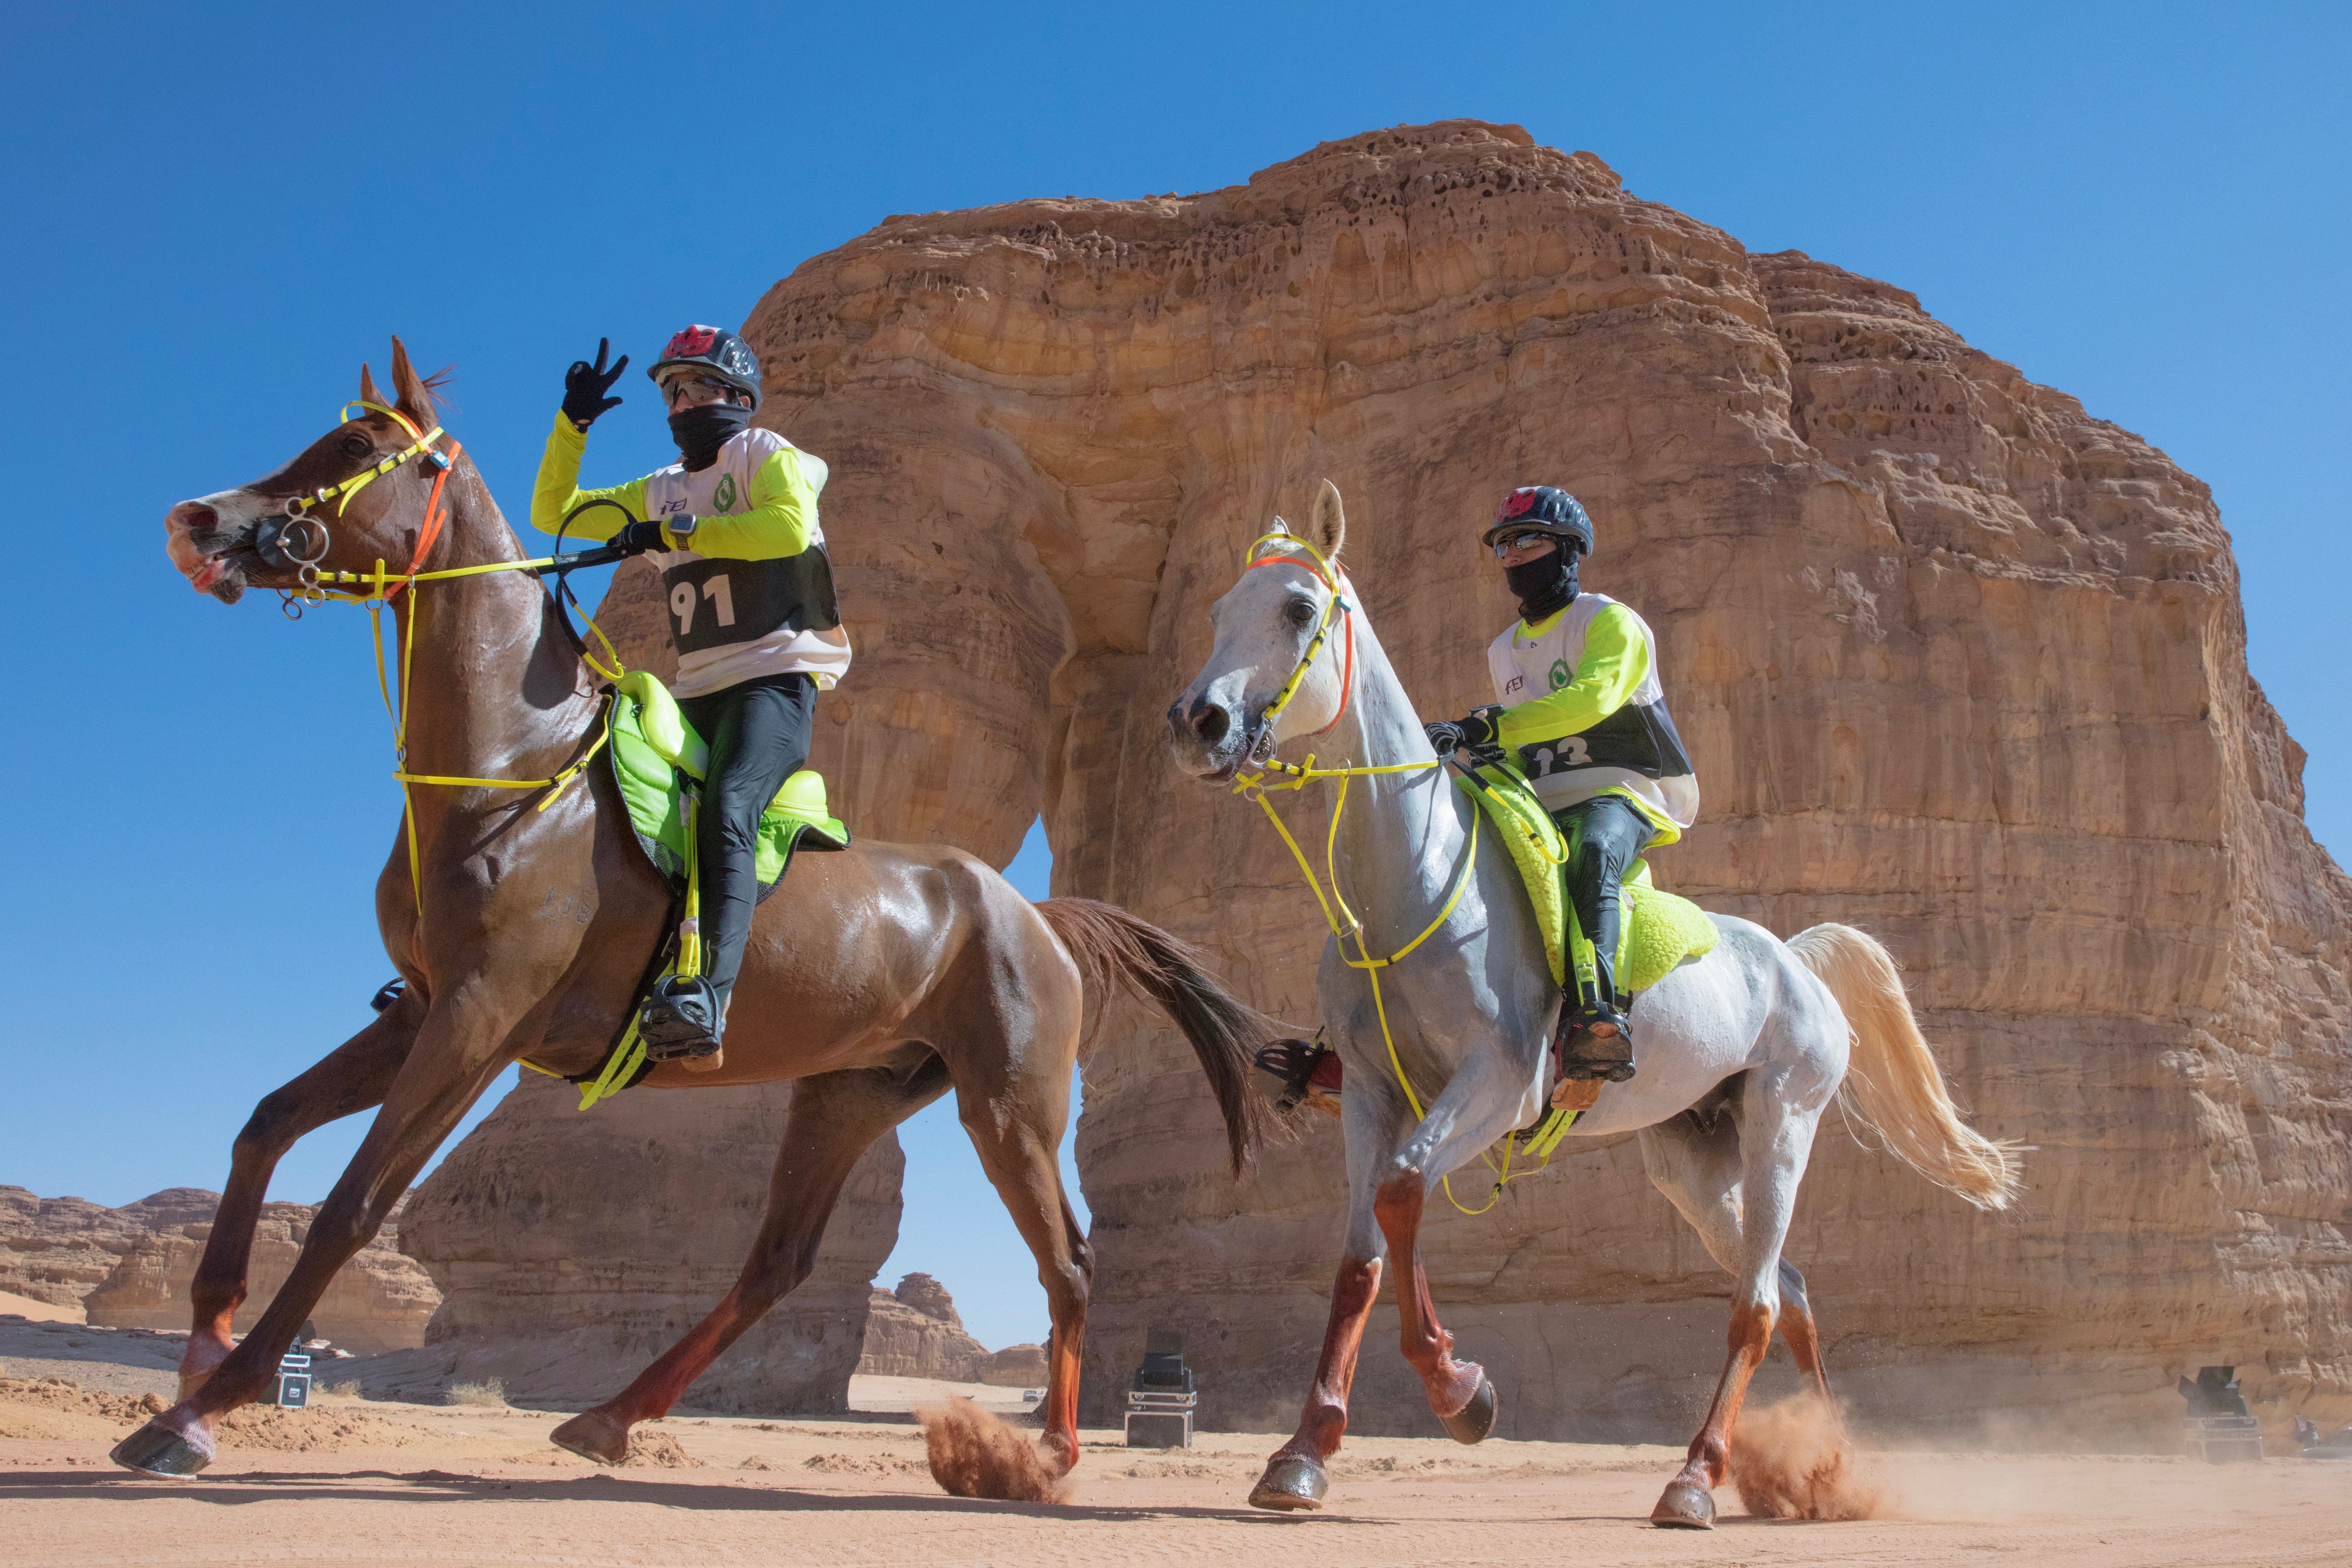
point(377, 589)
point(1555, 1125)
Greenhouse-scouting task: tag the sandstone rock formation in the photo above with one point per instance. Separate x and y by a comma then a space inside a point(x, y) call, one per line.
point(60, 1250)
point(1957, 662)
point(914, 1331)
point(573, 1248)
point(1014, 1366)
point(380, 1300)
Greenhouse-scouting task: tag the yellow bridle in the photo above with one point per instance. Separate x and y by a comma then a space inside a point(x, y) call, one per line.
point(376, 590)
point(1299, 776)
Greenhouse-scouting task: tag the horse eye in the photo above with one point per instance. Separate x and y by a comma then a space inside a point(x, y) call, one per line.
point(1300, 611)
point(357, 445)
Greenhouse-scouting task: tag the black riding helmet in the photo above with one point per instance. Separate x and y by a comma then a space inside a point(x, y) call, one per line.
point(1541, 509)
point(716, 351)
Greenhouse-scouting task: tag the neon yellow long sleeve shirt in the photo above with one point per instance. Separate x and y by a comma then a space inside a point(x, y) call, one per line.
point(772, 516)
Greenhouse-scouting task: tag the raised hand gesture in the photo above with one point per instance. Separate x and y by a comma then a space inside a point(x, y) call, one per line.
point(585, 385)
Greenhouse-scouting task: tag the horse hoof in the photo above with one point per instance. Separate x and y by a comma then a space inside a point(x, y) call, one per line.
point(156, 1450)
point(1291, 1484)
point(1684, 1507)
point(1475, 1422)
point(592, 1435)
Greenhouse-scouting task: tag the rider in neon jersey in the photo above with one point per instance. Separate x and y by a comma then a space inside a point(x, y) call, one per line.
point(732, 527)
point(1578, 699)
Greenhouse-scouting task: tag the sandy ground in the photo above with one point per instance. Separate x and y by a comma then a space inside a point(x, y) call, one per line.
point(358, 1482)
point(15, 1305)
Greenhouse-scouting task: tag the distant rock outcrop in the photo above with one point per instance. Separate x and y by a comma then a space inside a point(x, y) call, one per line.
point(914, 1332)
point(1014, 1366)
point(380, 1300)
point(60, 1250)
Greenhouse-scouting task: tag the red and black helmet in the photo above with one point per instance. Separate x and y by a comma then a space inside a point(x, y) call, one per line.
point(1541, 509)
point(717, 351)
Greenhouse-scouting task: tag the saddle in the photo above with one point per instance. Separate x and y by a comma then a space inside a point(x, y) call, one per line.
point(1656, 930)
point(656, 754)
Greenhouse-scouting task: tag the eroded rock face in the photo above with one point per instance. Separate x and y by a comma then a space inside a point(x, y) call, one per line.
point(914, 1331)
point(60, 1250)
point(1957, 661)
point(1014, 1366)
point(380, 1300)
point(573, 1248)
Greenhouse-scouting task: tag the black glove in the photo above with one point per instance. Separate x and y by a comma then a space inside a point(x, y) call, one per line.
point(1478, 732)
point(585, 385)
point(639, 537)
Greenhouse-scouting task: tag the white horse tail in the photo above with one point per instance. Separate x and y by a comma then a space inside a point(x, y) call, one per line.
point(1892, 1083)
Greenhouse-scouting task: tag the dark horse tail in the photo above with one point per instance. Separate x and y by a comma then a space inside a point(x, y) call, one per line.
point(1111, 945)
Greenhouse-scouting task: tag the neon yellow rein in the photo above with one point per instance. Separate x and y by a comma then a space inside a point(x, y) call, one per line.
point(379, 584)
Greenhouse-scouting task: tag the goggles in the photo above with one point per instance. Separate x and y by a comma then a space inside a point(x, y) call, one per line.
point(689, 388)
point(1519, 539)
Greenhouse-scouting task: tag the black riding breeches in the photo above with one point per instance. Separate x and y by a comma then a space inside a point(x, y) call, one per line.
point(759, 735)
point(1605, 835)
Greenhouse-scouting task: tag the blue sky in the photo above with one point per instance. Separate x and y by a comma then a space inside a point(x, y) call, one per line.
point(215, 214)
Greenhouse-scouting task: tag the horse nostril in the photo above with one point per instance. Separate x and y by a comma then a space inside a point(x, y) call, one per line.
point(1209, 723)
point(193, 517)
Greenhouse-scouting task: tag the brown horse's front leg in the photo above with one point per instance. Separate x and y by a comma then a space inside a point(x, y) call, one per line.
point(833, 1120)
point(347, 1080)
point(445, 1074)
point(1294, 1478)
point(1459, 1393)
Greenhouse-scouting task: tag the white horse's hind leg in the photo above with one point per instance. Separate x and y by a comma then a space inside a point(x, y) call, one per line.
point(1779, 1106)
point(1696, 1164)
point(1695, 1161)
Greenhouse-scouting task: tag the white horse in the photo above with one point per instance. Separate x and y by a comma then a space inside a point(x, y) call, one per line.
point(1741, 1050)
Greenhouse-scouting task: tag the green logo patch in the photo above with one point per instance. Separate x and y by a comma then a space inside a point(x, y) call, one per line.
point(723, 497)
point(1560, 674)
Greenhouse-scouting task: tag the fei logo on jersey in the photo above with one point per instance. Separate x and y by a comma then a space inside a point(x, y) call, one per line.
point(1516, 683)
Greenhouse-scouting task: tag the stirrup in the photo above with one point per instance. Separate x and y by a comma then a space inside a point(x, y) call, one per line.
point(1595, 1043)
point(681, 1021)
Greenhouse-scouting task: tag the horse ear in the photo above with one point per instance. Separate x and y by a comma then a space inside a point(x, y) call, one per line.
point(416, 397)
point(368, 394)
point(1329, 532)
point(1279, 526)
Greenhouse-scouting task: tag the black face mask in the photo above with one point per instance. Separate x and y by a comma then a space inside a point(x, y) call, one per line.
point(1546, 585)
point(701, 431)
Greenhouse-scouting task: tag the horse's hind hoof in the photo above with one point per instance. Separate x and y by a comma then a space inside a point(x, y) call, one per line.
point(1684, 1507)
point(593, 1435)
point(1475, 1422)
point(1291, 1484)
point(156, 1450)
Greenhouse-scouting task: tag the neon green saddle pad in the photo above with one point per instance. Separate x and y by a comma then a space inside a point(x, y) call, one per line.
point(653, 744)
point(1658, 931)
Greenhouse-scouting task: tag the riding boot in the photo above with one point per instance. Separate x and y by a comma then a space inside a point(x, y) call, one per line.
point(1596, 1037)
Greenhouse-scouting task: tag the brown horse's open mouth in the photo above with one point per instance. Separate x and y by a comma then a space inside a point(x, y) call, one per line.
point(216, 559)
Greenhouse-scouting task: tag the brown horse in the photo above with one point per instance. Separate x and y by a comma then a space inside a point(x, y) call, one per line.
point(879, 978)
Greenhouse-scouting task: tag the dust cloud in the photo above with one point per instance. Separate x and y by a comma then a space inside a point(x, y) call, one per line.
point(1794, 1460)
point(973, 1454)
